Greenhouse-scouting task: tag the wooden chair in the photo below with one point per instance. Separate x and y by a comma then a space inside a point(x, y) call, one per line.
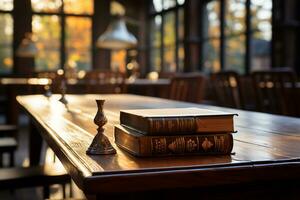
point(227, 88)
point(187, 87)
point(3, 99)
point(20, 177)
point(24, 177)
point(276, 92)
point(167, 74)
point(8, 143)
point(105, 82)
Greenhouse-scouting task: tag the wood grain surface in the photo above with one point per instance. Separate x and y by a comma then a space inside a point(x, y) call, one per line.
point(265, 147)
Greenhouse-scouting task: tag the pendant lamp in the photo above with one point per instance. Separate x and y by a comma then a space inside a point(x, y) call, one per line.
point(117, 36)
point(27, 47)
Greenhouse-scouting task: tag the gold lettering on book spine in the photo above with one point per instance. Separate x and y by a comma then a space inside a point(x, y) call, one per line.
point(178, 145)
point(191, 145)
point(176, 124)
point(158, 145)
point(220, 145)
point(207, 145)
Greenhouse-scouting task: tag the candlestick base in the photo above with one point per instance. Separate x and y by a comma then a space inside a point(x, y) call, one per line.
point(100, 145)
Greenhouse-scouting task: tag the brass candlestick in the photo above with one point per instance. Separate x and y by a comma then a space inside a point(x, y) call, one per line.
point(63, 89)
point(100, 144)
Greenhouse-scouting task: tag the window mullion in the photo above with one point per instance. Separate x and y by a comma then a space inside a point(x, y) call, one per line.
point(248, 37)
point(222, 34)
point(162, 46)
point(176, 40)
point(62, 37)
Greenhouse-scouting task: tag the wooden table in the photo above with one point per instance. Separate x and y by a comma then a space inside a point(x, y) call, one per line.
point(265, 161)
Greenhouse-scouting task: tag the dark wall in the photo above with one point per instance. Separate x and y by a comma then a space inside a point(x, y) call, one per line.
point(286, 34)
point(22, 24)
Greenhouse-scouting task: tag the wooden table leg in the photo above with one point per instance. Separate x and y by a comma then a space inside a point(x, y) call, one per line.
point(35, 145)
point(12, 111)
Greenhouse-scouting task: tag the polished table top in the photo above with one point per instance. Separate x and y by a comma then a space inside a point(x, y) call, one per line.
point(264, 147)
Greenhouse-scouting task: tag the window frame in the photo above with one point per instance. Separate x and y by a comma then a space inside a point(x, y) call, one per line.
point(62, 15)
point(248, 33)
point(178, 42)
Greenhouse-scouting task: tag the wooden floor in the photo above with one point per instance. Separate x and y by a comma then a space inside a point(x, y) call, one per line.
point(21, 159)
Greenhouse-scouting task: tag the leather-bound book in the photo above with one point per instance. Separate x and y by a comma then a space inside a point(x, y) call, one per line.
point(140, 145)
point(177, 121)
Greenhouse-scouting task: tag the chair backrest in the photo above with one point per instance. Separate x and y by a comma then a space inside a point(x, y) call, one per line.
point(46, 74)
point(187, 87)
point(105, 82)
point(276, 91)
point(167, 74)
point(227, 87)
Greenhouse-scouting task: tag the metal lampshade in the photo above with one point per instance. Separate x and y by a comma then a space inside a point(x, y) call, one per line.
point(27, 47)
point(117, 36)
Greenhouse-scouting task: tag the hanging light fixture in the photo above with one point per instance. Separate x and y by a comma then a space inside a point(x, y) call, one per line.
point(117, 35)
point(27, 47)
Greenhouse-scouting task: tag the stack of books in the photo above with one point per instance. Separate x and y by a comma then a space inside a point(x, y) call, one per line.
point(175, 131)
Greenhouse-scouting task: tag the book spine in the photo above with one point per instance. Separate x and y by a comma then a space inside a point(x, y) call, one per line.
point(169, 125)
point(152, 126)
point(183, 145)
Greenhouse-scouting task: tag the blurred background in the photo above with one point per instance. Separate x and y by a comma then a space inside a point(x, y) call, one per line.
point(173, 35)
point(242, 54)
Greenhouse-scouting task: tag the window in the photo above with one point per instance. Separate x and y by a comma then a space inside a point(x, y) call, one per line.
point(155, 43)
point(235, 30)
point(47, 31)
point(63, 32)
point(211, 36)
point(78, 43)
point(6, 36)
point(234, 35)
point(167, 35)
point(261, 11)
point(169, 42)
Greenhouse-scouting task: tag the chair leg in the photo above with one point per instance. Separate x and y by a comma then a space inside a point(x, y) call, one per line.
point(64, 190)
point(1, 160)
point(11, 159)
point(46, 192)
point(71, 191)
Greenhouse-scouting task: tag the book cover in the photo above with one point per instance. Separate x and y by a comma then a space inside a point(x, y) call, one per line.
point(141, 145)
point(177, 121)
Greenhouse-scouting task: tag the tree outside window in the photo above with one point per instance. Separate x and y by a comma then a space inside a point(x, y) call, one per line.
point(63, 30)
point(235, 35)
point(6, 36)
point(167, 35)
